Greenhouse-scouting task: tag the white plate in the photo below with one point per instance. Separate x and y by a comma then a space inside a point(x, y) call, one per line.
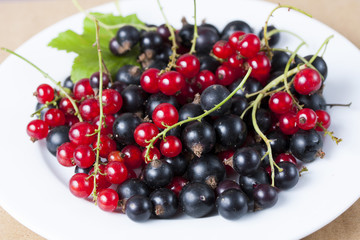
point(34, 187)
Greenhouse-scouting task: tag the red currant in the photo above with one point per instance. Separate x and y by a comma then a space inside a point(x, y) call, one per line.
point(54, 117)
point(107, 145)
point(132, 156)
point(82, 133)
point(306, 118)
point(82, 89)
point(222, 49)
point(116, 172)
point(288, 123)
point(112, 101)
point(84, 156)
point(144, 133)
point(89, 109)
point(235, 38)
point(205, 79)
point(307, 81)
point(116, 156)
point(286, 157)
point(234, 61)
point(261, 67)
point(66, 106)
point(108, 199)
point(107, 124)
point(188, 65)
point(153, 153)
point(165, 115)
point(70, 120)
point(225, 75)
point(187, 93)
point(44, 93)
point(150, 80)
point(324, 118)
point(171, 82)
point(249, 45)
point(81, 185)
point(65, 154)
point(101, 181)
point(37, 129)
point(280, 102)
point(171, 146)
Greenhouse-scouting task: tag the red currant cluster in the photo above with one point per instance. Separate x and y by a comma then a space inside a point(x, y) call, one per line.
point(175, 132)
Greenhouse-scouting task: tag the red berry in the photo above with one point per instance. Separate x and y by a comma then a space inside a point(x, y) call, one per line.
point(95, 80)
point(82, 89)
point(307, 81)
point(234, 61)
point(150, 80)
point(112, 101)
point(165, 115)
point(89, 109)
point(54, 117)
point(288, 124)
point(286, 157)
point(116, 172)
point(306, 118)
point(82, 133)
point(261, 67)
point(249, 45)
point(187, 93)
point(44, 93)
point(222, 49)
point(101, 181)
point(171, 146)
point(65, 154)
point(235, 38)
point(37, 129)
point(153, 152)
point(188, 65)
point(84, 156)
point(107, 124)
point(107, 145)
point(225, 75)
point(177, 184)
point(132, 156)
point(144, 133)
point(70, 120)
point(116, 156)
point(324, 118)
point(66, 106)
point(205, 79)
point(108, 199)
point(171, 82)
point(81, 185)
point(280, 102)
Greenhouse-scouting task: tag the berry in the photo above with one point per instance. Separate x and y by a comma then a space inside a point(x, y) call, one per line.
point(132, 187)
point(225, 75)
point(132, 156)
point(171, 82)
point(138, 208)
point(124, 127)
point(306, 118)
point(44, 93)
point(127, 36)
point(84, 156)
point(307, 81)
point(81, 185)
point(226, 185)
point(261, 67)
point(66, 106)
point(165, 115)
point(158, 174)
point(107, 124)
point(133, 99)
point(249, 45)
point(101, 181)
point(153, 153)
point(129, 74)
point(171, 146)
point(116, 172)
point(56, 137)
point(82, 89)
point(246, 160)
point(106, 146)
point(144, 133)
point(112, 101)
point(205, 79)
point(222, 49)
point(288, 124)
point(265, 196)
point(235, 26)
point(65, 154)
point(82, 133)
point(274, 39)
point(212, 96)
point(234, 38)
point(89, 109)
point(164, 203)
point(150, 80)
point(231, 131)
point(288, 177)
point(115, 156)
point(177, 184)
point(95, 80)
point(179, 164)
point(232, 204)
point(285, 157)
point(249, 182)
point(108, 199)
point(188, 65)
point(37, 129)
point(306, 145)
point(324, 118)
point(280, 102)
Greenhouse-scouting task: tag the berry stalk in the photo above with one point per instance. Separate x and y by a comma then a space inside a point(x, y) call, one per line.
point(196, 35)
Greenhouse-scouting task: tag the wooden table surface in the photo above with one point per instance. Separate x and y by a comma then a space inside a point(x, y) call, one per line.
point(20, 20)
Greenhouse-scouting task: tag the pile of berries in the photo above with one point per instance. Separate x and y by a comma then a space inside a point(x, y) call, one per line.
point(185, 137)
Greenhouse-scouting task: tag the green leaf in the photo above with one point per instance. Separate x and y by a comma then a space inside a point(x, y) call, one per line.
point(86, 63)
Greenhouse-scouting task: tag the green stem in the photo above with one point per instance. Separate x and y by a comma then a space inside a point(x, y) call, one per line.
point(325, 43)
point(58, 84)
point(172, 37)
point(274, 31)
point(47, 104)
point(190, 119)
point(196, 35)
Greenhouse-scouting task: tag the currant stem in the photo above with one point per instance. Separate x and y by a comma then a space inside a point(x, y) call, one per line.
point(58, 84)
point(172, 37)
point(196, 35)
point(330, 133)
point(53, 102)
point(274, 31)
point(198, 118)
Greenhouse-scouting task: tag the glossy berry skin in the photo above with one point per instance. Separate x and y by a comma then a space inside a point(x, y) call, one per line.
point(165, 203)
point(286, 157)
point(226, 185)
point(84, 156)
point(274, 39)
point(232, 204)
point(178, 164)
point(197, 199)
point(189, 110)
point(171, 82)
point(95, 80)
point(235, 37)
point(225, 75)
point(44, 93)
point(165, 115)
point(249, 45)
point(155, 99)
point(68, 83)
point(249, 182)
point(144, 133)
point(158, 174)
point(106, 146)
point(132, 156)
point(231, 131)
point(280, 102)
point(82, 89)
point(324, 118)
point(305, 145)
point(133, 98)
point(112, 101)
point(81, 185)
point(65, 153)
point(56, 137)
point(289, 176)
point(307, 81)
point(101, 181)
point(204, 79)
point(150, 40)
point(246, 160)
point(265, 196)
point(107, 124)
point(66, 106)
point(138, 208)
point(82, 133)
point(314, 101)
point(171, 146)
point(127, 36)
point(124, 127)
point(54, 117)
point(207, 169)
point(207, 37)
point(108, 200)
point(37, 129)
point(188, 65)
point(235, 26)
point(199, 137)
point(89, 109)
point(288, 124)
point(153, 153)
point(132, 187)
point(207, 62)
point(222, 49)
point(279, 142)
point(150, 80)
point(306, 118)
point(177, 184)
point(212, 96)
point(261, 67)
point(115, 156)
point(116, 172)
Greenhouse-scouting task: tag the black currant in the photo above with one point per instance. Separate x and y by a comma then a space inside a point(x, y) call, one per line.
point(127, 37)
point(232, 204)
point(151, 40)
point(68, 83)
point(306, 145)
point(265, 196)
point(132, 187)
point(158, 173)
point(314, 101)
point(238, 105)
point(212, 96)
point(138, 208)
point(274, 39)
point(288, 177)
point(155, 99)
point(207, 62)
point(207, 37)
point(56, 137)
point(129, 74)
point(165, 203)
point(231, 131)
point(246, 160)
point(226, 185)
point(133, 99)
point(235, 26)
point(249, 182)
point(124, 127)
point(279, 142)
point(279, 61)
point(178, 164)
